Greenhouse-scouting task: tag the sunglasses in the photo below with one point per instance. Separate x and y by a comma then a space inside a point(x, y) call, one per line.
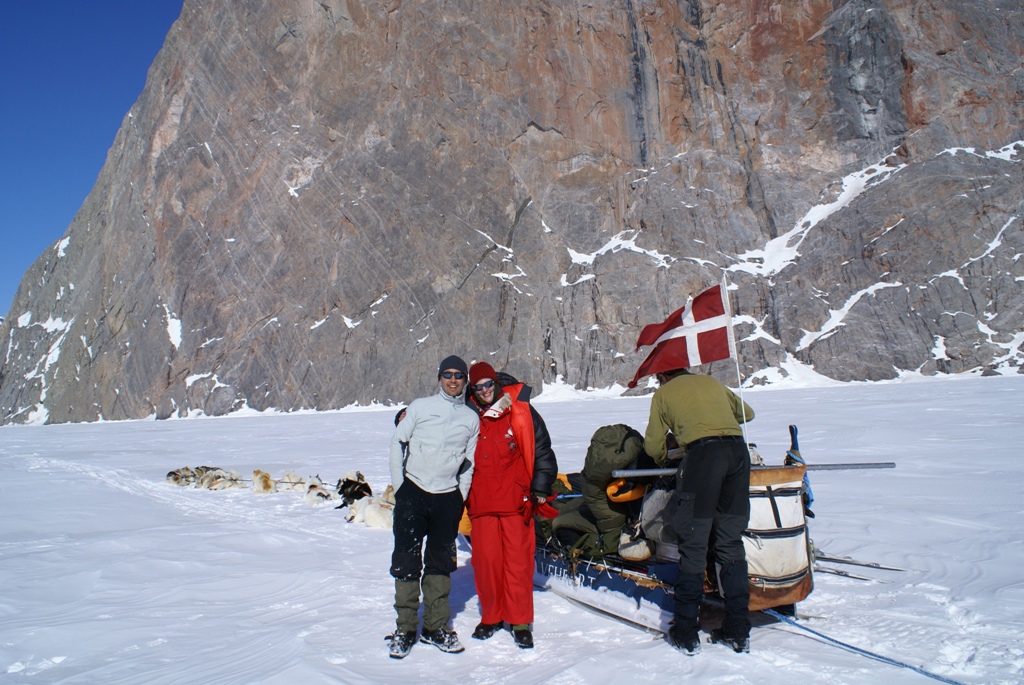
point(486, 385)
point(457, 375)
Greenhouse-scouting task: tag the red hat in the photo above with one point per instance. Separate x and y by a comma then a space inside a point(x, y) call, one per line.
point(481, 371)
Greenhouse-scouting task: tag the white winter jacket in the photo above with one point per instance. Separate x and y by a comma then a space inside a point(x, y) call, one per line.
point(441, 431)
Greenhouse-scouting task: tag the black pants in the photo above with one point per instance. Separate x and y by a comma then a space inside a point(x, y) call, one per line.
point(714, 497)
point(420, 514)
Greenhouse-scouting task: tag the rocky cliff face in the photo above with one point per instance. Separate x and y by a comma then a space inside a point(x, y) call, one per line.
point(313, 202)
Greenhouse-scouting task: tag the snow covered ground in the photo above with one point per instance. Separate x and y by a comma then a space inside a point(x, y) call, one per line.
point(111, 575)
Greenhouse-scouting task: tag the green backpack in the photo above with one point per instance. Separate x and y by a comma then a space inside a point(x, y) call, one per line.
point(611, 448)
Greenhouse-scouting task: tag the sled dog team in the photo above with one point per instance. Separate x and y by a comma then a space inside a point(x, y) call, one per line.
point(479, 446)
point(352, 489)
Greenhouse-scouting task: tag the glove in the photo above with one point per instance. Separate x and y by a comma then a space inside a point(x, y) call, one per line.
point(542, 508)
point(531, 507)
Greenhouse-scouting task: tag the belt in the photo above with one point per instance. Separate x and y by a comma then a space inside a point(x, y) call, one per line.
point(714, 438)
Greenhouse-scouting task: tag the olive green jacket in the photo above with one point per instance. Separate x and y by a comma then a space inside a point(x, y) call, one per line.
point(691, 407)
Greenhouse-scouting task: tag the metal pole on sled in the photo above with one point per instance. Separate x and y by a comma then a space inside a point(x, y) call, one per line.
point(734, 353)
point(654, 473)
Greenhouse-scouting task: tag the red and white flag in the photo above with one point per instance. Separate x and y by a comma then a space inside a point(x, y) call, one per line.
point(699, 333)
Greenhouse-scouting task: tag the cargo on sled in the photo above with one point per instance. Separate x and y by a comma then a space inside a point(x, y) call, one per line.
point(612, 547)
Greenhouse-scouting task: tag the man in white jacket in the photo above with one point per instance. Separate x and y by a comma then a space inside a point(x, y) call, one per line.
point(431, 481)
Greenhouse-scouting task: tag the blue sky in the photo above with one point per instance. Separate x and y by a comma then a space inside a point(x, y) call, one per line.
point(69, 72)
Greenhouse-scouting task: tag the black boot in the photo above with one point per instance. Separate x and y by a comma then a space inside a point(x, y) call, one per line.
point(738, 644)
point(444, 639)
point(485, 631)
point(400, 643)
point(523, 637)
point(684, 638)
point(684, 634)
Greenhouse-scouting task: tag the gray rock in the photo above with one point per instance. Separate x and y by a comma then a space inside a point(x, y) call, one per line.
point(312, 203)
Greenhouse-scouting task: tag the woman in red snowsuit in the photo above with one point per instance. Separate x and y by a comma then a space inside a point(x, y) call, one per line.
point(514, 470)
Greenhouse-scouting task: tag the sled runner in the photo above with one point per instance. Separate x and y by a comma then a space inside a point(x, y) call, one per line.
point(637, 593)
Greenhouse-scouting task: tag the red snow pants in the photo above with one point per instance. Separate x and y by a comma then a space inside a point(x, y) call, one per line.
point(503, 563)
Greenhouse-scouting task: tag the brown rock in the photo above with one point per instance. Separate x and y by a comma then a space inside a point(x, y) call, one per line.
point(312, 203)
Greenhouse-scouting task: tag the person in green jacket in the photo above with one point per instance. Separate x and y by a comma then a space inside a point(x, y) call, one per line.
point(704, 416)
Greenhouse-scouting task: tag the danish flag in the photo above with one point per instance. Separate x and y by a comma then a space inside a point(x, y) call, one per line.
point(699, 333)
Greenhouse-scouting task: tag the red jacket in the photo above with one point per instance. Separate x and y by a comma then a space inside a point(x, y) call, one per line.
point(503, 461)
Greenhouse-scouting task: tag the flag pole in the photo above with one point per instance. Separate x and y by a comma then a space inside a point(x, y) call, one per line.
point(735, 354)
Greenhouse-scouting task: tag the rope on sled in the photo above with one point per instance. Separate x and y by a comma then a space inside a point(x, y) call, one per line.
point(858, 650)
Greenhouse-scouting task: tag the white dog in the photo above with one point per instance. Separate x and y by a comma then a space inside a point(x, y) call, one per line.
point(316, 493)
point(219, 479)
point(291, 481)
point(262, 482)
point(376, 512)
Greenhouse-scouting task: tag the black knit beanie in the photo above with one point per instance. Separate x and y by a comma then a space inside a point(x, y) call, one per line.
point(452, 362)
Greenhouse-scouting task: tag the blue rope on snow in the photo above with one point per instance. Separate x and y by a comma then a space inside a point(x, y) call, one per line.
point(879, 657)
